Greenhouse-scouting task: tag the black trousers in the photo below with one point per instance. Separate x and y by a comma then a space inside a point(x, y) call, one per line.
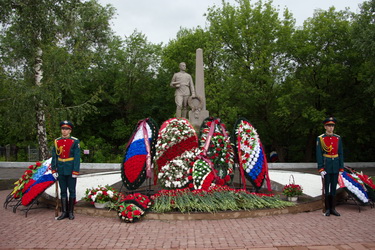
point(67, 182)
point(330, 184)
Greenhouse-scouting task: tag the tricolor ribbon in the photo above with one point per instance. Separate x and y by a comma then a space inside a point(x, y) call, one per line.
point(341, 181)
point(143, 123)
point(203, 156)
point(149, 172)
point(268, 180)
point(242, 171)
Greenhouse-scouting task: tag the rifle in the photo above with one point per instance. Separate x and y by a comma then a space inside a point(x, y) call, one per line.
point(323, 197)
point(57, 199)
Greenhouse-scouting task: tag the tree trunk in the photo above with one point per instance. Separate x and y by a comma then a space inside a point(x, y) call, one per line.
point(39, 109)
point(41, 130)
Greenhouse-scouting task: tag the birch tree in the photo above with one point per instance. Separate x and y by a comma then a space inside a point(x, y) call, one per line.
point(47, 48)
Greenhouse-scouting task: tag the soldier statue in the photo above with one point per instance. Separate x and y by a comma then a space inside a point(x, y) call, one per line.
point(183, 82)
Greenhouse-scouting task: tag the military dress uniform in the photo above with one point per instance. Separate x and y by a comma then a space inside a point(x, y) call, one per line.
point(330, 158)
point(66, 163)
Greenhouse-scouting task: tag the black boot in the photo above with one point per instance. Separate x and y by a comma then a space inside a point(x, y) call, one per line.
point(333, 205)
point(328, 206)
point(71, 208)
point(64, 209)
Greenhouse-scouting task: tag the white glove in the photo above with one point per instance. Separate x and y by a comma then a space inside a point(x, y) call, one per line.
point(323, 173)
point(55, 175)
point(74, 175)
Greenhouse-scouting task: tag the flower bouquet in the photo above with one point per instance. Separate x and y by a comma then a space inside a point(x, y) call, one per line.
point(138, 199)
point(292, 190)
point(103, 195)
point(133, 206)
point(129, 212)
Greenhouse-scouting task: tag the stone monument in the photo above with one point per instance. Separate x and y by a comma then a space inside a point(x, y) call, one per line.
point(197, 103)
point(183, 83)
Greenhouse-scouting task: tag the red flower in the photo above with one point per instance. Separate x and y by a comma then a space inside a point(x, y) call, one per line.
point(137, 213)
point(220, 182)
point(130, 215)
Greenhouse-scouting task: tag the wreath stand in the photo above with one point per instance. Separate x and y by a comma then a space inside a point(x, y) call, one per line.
point(351, 200)
point(16, 203)
point(9, 200)
point(149, 190)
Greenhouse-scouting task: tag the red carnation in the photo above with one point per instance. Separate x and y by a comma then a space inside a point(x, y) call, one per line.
point(220, 182)
point(137, 213)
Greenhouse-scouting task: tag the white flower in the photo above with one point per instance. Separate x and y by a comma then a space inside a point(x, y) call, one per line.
point(93, 198)
point(110, 193)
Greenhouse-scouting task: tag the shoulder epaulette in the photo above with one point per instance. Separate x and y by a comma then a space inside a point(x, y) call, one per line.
point(336, 135)
point(74, 138)
point(321, 135)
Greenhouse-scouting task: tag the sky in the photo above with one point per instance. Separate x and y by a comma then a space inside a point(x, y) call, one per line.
point(160, 20)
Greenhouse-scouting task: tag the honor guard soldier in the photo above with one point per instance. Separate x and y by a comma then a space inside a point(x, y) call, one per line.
point(65, 166)
point(330, 159)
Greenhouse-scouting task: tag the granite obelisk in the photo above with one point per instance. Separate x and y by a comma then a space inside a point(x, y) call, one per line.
point(198, 104)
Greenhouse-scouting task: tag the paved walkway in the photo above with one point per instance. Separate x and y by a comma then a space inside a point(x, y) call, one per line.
point(352, 230)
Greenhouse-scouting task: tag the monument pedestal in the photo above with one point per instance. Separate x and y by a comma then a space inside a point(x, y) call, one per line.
point(197, 117)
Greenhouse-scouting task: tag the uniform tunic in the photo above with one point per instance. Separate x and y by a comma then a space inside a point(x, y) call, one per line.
point(66, 162)
point(186, 84)
point(330, 158)
point(329, 153)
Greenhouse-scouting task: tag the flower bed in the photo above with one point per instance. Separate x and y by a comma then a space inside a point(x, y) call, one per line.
point(215, 199)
